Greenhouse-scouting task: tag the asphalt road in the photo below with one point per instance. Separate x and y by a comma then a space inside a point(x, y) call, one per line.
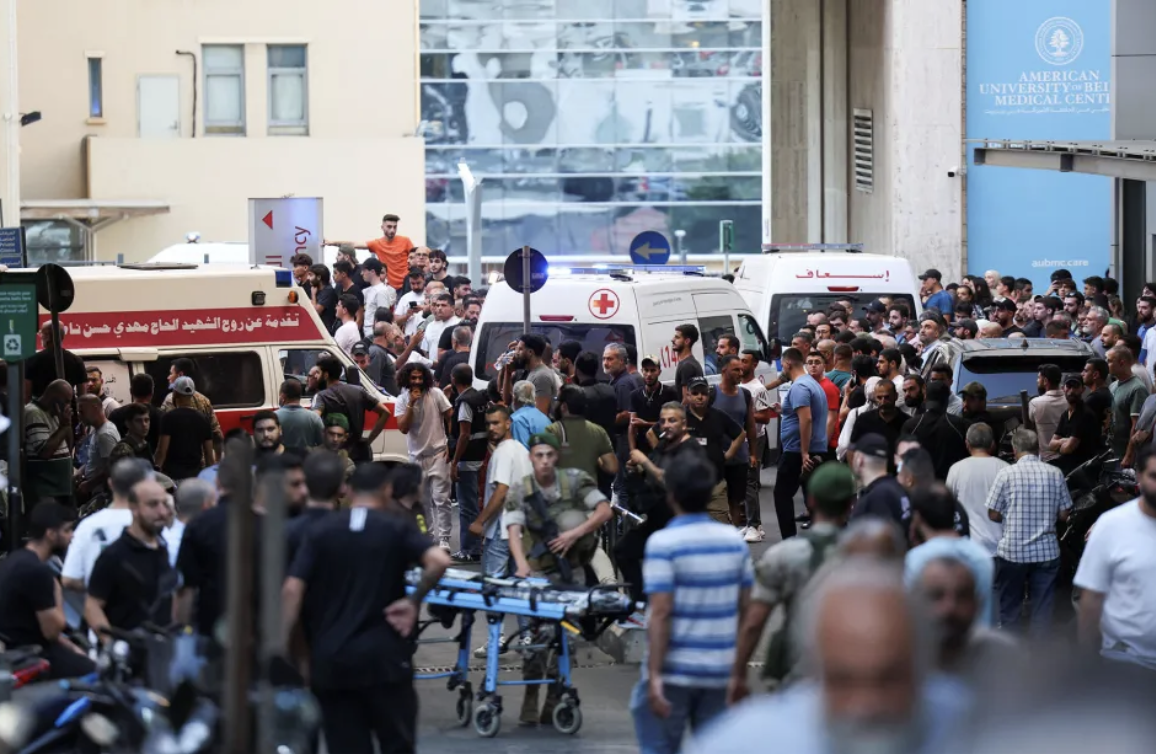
point(603, 686)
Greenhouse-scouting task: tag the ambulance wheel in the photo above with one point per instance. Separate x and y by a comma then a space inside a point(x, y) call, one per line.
point(567, 718)
point(487, 720)
point(465, 708)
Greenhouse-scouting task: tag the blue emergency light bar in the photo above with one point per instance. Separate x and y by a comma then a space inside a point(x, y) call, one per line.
point(283, 278)
point(605, 269)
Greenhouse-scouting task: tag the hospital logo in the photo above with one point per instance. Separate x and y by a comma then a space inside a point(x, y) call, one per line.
point(1059, 40)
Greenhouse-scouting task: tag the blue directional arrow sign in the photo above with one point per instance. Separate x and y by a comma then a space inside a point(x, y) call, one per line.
point(650, 247)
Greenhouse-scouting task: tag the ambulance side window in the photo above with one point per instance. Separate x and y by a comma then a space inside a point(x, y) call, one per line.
point(750, 334)
point(710, 329)
point(296, 363)
point(230, 379)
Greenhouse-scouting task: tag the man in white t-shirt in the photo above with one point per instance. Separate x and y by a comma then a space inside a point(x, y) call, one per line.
point(443, 317)
point(423, 414)
point(509, 464)
point(1117, 609)
point(377, 295)
point(348, 333)
point(971, 479)
point(101, 529)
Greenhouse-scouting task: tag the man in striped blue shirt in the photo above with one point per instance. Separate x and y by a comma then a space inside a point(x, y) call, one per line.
point(698, 577)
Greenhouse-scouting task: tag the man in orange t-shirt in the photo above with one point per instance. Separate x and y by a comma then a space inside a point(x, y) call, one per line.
point(391, 249)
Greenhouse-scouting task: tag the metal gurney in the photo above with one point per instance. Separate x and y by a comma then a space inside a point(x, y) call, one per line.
point(578, 611)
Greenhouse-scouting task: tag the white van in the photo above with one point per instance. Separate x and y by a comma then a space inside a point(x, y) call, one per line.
point(782, 286)
point(638, 306)
point(246, 328)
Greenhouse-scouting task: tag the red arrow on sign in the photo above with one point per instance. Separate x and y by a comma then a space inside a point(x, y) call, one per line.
point(268, 219)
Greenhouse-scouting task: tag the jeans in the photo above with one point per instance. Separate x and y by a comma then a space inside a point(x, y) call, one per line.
point(468, 509)
point(754, 484)
point(787, 483)
point(496, 558)
point(688, 704)
point(1040, 581)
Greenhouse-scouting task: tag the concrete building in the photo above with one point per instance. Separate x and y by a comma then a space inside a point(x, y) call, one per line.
point(160, 119)
point(865, 117)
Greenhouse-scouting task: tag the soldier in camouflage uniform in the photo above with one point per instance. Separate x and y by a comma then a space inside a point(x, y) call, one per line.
point(556, 546)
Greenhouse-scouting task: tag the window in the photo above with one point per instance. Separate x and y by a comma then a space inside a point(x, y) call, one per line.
point(288, 103)
point(789, 311)
point(224, 89)
point(230, 379)
point(495, 336)
point(296, 363)
point(750, 335)
point(710, 329)
point(95, 88)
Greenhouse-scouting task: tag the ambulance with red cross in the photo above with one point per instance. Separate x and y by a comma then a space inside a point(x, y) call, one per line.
point(246, 328)
point(637, 306)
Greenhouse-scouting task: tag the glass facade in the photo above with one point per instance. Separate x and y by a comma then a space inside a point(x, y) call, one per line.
point(590, 121)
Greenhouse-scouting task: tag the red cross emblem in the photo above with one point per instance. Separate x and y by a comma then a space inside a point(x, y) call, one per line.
point(604, 303)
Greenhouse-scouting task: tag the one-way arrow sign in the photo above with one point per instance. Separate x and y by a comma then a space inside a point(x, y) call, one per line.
point(268, 219)
point(650, 247)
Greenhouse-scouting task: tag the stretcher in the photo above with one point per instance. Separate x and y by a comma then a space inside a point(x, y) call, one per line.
point(556, 613)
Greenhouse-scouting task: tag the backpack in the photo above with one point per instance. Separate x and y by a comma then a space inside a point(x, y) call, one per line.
point(781, 654)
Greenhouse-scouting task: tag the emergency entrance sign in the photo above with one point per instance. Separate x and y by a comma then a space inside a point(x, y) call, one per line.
point(281, 228)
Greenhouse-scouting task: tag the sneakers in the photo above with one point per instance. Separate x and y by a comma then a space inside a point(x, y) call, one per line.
point(465, 557)
point(481, 652)
point(743, 531)
point(445, 545)
point(754, 534)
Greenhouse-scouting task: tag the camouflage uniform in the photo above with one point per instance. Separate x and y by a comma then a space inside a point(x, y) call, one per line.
point(574, 491)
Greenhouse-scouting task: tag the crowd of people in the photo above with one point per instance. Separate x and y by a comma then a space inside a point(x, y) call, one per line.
point(901, 586)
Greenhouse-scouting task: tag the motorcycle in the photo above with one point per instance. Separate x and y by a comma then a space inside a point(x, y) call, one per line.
point(1096, 486)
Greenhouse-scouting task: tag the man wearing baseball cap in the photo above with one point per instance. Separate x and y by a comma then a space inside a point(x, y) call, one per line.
point(647, 401)
point(719, 435)
point(1079, 434)
point(782, 574)
point(882, 495)
point(185, 443)
point(933, 294)
point(1003, 313)
point(965, 329)
point(875, 312)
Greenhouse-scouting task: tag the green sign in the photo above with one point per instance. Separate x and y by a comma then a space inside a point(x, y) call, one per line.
point(18, 321)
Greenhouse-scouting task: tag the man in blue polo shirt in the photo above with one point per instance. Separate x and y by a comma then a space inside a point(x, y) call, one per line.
point(698, 578)
point(934, 297)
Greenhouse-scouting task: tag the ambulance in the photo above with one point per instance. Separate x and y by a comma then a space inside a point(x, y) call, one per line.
point(246, 328)
point(782, 284)
point(638, 306)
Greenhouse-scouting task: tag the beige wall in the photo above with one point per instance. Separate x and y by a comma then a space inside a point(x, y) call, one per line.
point(362, 101)
point(347, 173)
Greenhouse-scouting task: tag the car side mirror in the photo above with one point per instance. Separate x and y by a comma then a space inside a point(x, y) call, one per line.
point(774, 349)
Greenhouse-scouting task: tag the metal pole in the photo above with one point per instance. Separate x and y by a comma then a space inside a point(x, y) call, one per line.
point(239, 598)
point(473, 196)
point(725, 241)
point(272, 576)
point(678, 236)
point(15, 433)
point(526, 289)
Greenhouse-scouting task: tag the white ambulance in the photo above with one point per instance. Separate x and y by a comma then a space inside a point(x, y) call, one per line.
point(781, 286)
point(637, 306)
point(247, 329)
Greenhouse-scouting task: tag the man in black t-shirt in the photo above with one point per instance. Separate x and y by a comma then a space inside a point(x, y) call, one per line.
point(887, 420)
point(325, 296)
point(141, 388)
point(186, 436)
point(646, 403)
point(133, 580)
point(353, 401)
point(324, 478)
point(31, 602)
point(1079, 435)
point(601, 402)
point(40, 369)
point(685, 336)
point(1097, 396)
point(719, 435)
point(882, 496)
point(348, 586)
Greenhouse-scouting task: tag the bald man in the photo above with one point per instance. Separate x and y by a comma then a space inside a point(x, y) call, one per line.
point(870, 651)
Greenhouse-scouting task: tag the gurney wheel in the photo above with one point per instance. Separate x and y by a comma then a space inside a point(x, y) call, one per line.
point(465, 708)
point(487, 720)
point(567, 718)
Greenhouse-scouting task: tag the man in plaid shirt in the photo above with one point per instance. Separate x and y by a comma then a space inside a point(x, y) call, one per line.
point(1028, 497)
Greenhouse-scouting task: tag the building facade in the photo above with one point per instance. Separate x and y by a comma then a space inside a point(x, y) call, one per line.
point(161, 119)
point(590, 121)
